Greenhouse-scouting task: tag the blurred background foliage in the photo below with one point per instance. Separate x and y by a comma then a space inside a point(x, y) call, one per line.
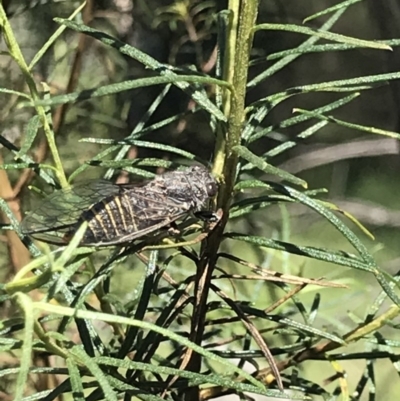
point(359, 170)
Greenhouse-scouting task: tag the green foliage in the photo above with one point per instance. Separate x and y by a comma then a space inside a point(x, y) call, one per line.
point(186, 317)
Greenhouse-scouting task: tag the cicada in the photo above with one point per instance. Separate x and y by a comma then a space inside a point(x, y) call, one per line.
point(120, 213)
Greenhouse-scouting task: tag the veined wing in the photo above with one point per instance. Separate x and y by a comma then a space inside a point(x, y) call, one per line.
point(60, 211)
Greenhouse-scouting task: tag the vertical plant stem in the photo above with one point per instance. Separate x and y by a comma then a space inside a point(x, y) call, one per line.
point(226, 161)
point(17, 55)
point(236, 116)
point(228, 68)
point(235, 72)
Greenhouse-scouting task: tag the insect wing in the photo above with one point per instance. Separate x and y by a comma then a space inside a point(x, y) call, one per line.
point(61, 210)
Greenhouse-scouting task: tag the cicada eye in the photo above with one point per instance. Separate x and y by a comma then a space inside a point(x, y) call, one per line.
point(212, 189)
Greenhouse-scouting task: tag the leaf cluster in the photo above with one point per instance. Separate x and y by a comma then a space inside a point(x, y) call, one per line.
point(186, 317)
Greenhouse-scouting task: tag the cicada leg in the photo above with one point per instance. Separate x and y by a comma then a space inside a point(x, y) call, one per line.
point(173, 229)
point(207, 215)
point(199, 238)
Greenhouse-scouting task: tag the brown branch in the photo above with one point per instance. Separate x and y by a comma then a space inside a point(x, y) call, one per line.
point(59, 115)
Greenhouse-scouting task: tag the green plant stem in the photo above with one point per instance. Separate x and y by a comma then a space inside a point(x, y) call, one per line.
point(236, 116)
point(226, 161)
point(17, 55)
point(228, 68)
